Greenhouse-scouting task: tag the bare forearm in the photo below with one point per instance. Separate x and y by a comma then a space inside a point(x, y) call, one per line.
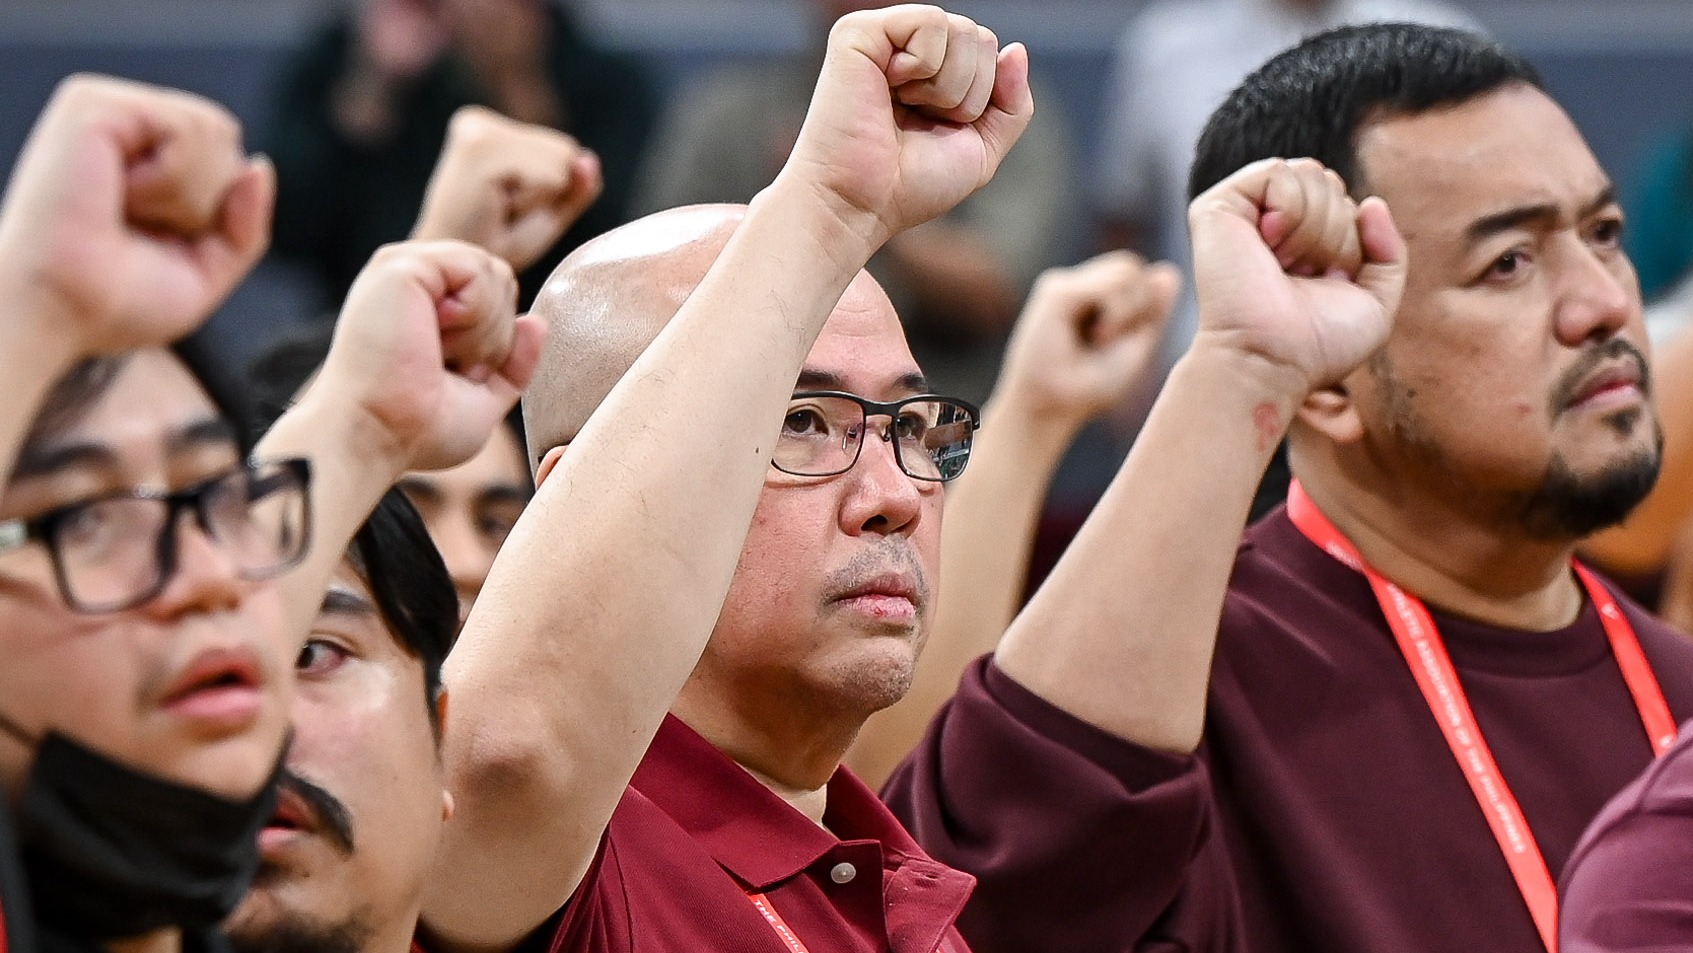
point(1121, 634)
point(31, 361)
point(351, 469)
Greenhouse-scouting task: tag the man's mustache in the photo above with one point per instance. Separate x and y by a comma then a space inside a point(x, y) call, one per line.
point(1571, 381)
point(331, 816)
point(893, 553)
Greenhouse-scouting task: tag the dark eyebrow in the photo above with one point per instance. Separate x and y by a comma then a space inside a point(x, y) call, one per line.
point(1489, 225)
point(412, 486)
point(818, 380)
point(811, 379)
point(41, 461)
point(55, 458)
point(503, 493)
point(343, 601)
point(200, 433)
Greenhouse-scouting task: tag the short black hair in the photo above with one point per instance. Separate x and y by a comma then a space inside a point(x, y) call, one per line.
point(393, 554)
point(1311, 101)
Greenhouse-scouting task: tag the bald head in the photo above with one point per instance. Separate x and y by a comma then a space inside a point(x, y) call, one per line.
point(604, 305)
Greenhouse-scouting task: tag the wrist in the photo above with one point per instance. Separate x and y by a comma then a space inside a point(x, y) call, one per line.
point(1259, 376)
point(328, 424)
point(39, 326)
point(846, 233)
point(1044, 428)
point(1248, 382)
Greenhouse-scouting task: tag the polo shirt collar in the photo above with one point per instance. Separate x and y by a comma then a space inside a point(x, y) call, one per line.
point(746, 827)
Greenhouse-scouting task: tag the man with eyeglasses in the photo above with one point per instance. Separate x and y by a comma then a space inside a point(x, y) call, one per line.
point(135, 746)
point(736, 829)
point(148, 640)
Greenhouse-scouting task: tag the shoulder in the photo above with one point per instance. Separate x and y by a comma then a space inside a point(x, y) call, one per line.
point(1626, 886)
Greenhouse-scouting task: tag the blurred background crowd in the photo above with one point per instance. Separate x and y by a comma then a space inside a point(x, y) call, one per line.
point(699, 100)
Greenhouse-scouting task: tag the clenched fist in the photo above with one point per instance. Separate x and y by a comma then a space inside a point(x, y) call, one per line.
point(430, 349)
point(510, 187)
point(132, 213)
point(913, 111)
point(1289, 269)
point(1086, 335)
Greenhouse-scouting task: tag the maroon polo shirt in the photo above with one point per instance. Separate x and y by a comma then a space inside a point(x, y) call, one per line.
point(1324, 812)
point(1629, 884)
point(695, 834)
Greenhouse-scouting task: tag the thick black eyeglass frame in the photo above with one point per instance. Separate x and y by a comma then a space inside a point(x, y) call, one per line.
point(889, 410)
point(44, 528)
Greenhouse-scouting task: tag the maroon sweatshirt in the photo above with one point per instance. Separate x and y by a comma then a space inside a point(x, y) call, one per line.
point(1324, 811)
point(1628, 888)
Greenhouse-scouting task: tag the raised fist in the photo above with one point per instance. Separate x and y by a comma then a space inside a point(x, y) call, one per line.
point(913, 111)
point(510, 187)
point(1290, 269)
point(1086, 335)
point(132, 213)
point(429, 347)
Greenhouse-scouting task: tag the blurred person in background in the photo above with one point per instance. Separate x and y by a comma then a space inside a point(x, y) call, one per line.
point(1659, 203)
point(956, 282)
point(364, 107)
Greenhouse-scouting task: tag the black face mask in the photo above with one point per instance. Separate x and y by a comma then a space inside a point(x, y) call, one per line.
point(110, 852)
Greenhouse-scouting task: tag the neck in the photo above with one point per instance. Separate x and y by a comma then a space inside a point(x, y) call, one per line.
point(1447, 554)
point(396, 935)
point(788, 752)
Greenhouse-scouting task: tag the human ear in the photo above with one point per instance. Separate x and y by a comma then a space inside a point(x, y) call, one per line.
point(547, 463)
point(1332, 412)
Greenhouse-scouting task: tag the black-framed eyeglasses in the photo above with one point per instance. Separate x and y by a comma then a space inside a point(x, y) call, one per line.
point(823, 433)
point(116, 551)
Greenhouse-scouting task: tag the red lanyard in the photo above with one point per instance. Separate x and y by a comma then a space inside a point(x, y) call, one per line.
point(762, 903)
point(1425, 653)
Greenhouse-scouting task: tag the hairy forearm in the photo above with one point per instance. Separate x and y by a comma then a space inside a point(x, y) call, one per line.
point(1121, 634)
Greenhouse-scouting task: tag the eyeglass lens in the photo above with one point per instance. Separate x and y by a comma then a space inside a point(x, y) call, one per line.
point(114, 551)
point(822, 435)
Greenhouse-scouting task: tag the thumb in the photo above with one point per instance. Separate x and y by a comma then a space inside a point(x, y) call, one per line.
point(1012, 104)
point(587, 181)
point(1146, 307)
point(1385, 258)
point(528, 334)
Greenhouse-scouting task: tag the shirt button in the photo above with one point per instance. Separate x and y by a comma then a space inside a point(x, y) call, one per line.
point(843, 873)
